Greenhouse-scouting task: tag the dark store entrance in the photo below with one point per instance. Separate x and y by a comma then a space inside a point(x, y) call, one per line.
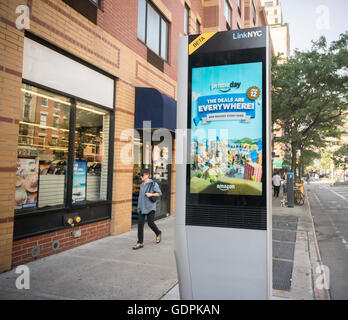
point(160, 169)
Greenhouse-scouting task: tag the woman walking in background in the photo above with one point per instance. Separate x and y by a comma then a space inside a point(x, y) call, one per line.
point(147, 207)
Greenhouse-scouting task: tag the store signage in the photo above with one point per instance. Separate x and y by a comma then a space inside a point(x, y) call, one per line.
point(199, 41)
point(224, 87)
point(79, 181)
point(246, 35)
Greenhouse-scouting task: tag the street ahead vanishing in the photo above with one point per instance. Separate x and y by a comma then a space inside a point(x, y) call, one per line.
point(330, 212)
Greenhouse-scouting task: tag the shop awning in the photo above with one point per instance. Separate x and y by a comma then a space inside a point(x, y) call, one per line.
point(152, 105)
point(281, 164)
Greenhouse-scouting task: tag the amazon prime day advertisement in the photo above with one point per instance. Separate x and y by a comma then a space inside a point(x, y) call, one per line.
point(226, 122)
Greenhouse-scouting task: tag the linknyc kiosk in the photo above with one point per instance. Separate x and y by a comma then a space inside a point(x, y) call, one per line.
point(223, 178)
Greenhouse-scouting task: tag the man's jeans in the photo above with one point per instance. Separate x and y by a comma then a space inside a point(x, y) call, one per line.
point(276, 191)
point(150, 222)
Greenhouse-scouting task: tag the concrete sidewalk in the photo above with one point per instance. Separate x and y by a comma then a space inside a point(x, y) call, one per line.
point(292, 265)
point(104, 269)
point(295, 256)
point(109, 269)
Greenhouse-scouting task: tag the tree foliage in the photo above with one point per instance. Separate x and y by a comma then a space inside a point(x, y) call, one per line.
point(340, 157)
point(310, 95)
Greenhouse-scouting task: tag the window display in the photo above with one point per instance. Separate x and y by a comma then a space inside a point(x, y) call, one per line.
point(43, 140)
point(91, 148)
point(43, 151)
point(226, 123)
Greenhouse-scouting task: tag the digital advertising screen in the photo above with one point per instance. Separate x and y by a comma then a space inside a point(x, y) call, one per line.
point(226, 130)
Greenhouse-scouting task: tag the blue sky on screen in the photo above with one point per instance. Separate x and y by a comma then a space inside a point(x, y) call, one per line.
point(249, 74)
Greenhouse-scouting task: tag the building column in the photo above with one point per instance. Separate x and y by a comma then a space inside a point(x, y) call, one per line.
point(11, 60)
point(121, 217)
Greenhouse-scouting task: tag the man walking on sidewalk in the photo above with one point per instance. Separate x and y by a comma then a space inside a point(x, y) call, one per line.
point(146, 207)
point(276, 180)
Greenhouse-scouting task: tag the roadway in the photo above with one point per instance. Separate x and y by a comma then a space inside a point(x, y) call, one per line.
point(329, 207)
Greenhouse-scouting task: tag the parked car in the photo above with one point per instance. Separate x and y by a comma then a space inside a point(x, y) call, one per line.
point(57, 167)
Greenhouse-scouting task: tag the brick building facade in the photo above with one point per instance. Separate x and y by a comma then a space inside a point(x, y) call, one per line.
point(38, 109)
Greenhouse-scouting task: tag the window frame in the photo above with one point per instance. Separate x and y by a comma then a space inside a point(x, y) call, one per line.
point(44, 104)
point(229, 23)
point(55, 124)
point(198, 27)
point(253, 11)
point(161, 17)
point(98, 4)
point(68, 204)
point(43, 114)
point(187, 20)
point(239, 5)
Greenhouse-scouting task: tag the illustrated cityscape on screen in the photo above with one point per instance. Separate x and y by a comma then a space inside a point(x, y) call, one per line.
point(226, 123)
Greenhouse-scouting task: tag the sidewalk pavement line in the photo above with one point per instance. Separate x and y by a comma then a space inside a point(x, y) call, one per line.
point(165, 293)
point(282, 259)
point(327, 292)
point(284, 241)
point(277, 229)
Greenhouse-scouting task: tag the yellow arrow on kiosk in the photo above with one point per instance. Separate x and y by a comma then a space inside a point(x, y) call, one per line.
point(199, 41)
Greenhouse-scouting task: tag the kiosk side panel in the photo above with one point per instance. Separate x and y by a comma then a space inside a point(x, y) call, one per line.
point(180, 247)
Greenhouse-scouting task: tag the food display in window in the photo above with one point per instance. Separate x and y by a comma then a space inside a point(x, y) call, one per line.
point(27, 181)
point(31, 183)
point(20, 197)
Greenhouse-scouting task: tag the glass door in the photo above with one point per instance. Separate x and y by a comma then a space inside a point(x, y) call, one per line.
point(161, 174)
point(158, 164)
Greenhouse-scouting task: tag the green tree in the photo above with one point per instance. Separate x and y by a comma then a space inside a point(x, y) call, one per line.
point(325, 162)
point(310, 94)
point(306, 159)
point(340, 158)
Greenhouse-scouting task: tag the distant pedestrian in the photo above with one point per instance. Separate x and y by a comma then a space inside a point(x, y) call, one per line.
point(276, 181)
point(147, 208)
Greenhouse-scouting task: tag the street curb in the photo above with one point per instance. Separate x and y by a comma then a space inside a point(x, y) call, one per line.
point(319, 294)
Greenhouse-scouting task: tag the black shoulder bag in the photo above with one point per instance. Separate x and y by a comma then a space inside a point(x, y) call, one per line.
point(153, 198)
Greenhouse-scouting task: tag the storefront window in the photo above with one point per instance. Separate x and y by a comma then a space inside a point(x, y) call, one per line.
point(42, 178)
point(42, 150)
point(91, 153)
